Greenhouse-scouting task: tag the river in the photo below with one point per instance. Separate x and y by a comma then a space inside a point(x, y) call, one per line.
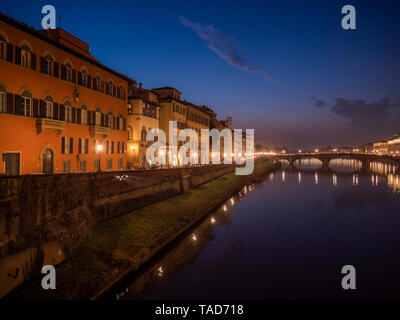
point(288, 237)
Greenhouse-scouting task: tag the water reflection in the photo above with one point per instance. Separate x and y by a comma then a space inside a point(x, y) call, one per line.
point(344, 165)
point(310, 164)
point(388, 170)
point(268, 240)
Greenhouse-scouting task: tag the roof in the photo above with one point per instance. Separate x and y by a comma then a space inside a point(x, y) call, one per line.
point(167, 88)
point(33, 32)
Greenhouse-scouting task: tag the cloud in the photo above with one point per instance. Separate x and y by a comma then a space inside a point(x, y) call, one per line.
point(360, 113)
point(224, 46)
point(318, 103)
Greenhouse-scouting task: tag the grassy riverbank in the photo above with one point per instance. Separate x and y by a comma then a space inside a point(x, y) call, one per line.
point(121, 245)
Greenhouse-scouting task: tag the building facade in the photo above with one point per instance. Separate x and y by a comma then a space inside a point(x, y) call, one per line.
point(143, 115)
point(394, 145)
point(61, 111)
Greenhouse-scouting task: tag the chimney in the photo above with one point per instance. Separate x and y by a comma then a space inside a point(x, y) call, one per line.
point(140, 85)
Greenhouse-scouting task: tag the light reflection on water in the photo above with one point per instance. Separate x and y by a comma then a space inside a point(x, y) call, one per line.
point(286, 238)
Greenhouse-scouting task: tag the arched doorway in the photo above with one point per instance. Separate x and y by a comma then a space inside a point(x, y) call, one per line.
point(48, 161)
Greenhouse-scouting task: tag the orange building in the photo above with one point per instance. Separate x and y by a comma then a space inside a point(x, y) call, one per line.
point(58, 104)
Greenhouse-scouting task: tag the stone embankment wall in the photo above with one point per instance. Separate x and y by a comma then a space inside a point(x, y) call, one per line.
point(43, 218)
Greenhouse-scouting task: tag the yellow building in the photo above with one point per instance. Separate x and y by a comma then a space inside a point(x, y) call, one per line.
point(381, 147)
point(143, 115)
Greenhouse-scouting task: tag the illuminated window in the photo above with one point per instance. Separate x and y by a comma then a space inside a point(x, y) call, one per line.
point(25, 57)
point(27, 104)
point(84, 78)
point(110, 121)
point(68, 112)
point(49, 66)
point(49, 107)
point(84, 115)
point(98, 117)
point(68, 72)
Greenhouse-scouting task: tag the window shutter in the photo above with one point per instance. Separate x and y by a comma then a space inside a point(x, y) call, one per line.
point(123, 147)
point(71, 145)
point(102, 119)
point(62, 112)
point(18, 56)
point(118, 123)
point(94, 84)
point(80, 146)
point(94, 146)
point(79, 116)
point(43, 65)
point(112, 147)
point(107, 117)
point(102, 86)
point(10, 102)
point(73, 115)
point(114, 91)
point(63, 72)
point(33, 61)
point(114, 120)
point(94, 118)
point(35, 108)
point(124, 124)
point(55, 111)
point(42, 113)
point(73, 76)
point(89, 82)
point(18, 105)
point(62, 145)
point(10, 52)
point(56, 69)
point(86, 146)
point(89, 118)
point(79, 78)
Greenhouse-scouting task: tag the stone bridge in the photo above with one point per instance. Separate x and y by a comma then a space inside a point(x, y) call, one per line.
point(325, 158)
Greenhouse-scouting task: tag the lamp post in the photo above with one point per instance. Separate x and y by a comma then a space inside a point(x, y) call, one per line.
point(99, 149)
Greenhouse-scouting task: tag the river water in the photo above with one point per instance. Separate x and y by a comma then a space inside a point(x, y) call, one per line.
point(288, 237)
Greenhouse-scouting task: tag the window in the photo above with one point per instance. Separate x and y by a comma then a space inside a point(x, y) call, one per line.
point(120, 163)
point(49, 67)
point(109, 89)
point(121, 93)
point(108, 147)
point(84, 115)
point(2, 100)
point(96, 164)
point(97, 84)
point(27, 104)
point(130, 133)
point(68, 72)
point(67, 166)
point(49, 107)
point(68, 113)
point(98, 117)
point(143, 134)
point(2, 49)
point(84, 78)
point(67, 145)
point(121, 123)
point(121, 147)
point(110, 121)
point(84, 146)
point(109, 164)
point(25, 57)
point(82, 165)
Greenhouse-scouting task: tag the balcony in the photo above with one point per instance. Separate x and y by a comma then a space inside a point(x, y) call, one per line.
point(49, 124)
point(97, 130)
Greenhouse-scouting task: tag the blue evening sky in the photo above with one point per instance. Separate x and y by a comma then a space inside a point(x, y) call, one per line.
point(301, 43)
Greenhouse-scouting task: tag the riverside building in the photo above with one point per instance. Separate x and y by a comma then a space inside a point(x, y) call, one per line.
point(61, 111)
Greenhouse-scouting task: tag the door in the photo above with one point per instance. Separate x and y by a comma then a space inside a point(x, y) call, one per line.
point(12, 161)
point(48, 161)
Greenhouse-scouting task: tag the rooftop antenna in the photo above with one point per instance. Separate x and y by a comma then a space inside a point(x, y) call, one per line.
point(59, 18)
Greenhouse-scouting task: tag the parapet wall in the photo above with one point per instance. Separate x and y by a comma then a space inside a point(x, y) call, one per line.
point(43, 218)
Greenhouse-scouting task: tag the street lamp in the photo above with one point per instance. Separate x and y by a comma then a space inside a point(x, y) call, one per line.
point(99, 150)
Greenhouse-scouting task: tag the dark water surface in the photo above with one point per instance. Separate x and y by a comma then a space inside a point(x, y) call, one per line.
point(287, 238)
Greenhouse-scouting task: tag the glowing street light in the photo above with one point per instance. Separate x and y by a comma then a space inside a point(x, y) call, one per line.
point(99, 150)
